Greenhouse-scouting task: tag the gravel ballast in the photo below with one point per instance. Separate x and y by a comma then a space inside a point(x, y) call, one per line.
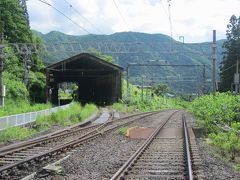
point(102, 157)
point(214, 167)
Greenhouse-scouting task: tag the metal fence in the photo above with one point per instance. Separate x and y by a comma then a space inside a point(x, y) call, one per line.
point(25, 118)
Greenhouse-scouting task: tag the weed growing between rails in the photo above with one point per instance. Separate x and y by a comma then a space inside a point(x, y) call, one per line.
point(72, 115)
point(220, 117)
point(122, 130)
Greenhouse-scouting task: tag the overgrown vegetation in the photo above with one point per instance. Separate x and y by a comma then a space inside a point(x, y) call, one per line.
point(74, 114)
point(151, 102)
point(220, 117)
point(16, 133)
point(20, 106)
point(65, 117)
point(122, 130)
point(20, 84)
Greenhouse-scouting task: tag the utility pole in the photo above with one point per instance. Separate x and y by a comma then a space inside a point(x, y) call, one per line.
point(204, 78)
point(2, 56)
point(128, 90)
point(181, 37)
point(26, 61)
point(170, 22)
point(142, 88)
point(214, 62)
point(236, 78)
point(147, 91)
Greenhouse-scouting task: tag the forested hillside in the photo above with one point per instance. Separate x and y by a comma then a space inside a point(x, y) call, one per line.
point(23, 81)
point(149, 48)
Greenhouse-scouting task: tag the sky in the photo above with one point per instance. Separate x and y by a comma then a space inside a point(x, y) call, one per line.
point(193, 19)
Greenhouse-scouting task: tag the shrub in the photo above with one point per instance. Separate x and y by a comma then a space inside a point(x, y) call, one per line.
point(15, 133)
point(216, 111)
point(65, 117)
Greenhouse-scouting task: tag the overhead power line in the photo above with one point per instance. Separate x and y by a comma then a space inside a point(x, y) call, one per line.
point(121, 15)
point(88, 21)
point(125, 22)
point(82, 28)
point(228, 68)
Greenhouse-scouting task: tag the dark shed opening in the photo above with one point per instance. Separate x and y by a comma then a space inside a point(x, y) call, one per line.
point(98, 80)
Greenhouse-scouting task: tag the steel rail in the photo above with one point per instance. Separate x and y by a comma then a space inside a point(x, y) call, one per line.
point(79, 127)
point(131, 160)
point(73, 143)
point(187, 149)
point(34, 142)
point(28, 144)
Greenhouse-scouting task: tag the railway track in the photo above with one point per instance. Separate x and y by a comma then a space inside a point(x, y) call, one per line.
point(35, 153)
point(166, 154)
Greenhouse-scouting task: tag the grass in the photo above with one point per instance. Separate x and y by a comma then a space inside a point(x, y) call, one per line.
point(121, 107)
point(153, 104)
point(16, 133)
point(87, 111)
point(66, 117)
point(122, 130)
point(20, 106)
point(63, 117)
point(150, 103)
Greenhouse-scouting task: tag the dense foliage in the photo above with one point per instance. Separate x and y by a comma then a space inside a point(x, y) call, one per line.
point(161, 89)
point(220, 117)
point(231, 53)
point(14, 26)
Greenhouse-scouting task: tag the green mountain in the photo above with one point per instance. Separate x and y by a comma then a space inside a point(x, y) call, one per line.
point(150, 49)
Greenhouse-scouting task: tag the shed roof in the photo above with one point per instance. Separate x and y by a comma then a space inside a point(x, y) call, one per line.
point(84, 61)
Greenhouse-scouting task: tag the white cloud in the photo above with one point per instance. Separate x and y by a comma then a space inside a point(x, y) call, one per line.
point(194, 19)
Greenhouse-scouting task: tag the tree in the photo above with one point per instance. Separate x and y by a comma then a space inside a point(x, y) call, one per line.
point(161, 89)
point(13, 22)
point(231, 54)
point(105, 57)
point(14, 25)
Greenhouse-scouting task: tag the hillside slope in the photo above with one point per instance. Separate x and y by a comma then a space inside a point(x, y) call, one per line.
point(144, 48)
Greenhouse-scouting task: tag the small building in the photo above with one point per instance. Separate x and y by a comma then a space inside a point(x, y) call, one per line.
point(98, 81)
